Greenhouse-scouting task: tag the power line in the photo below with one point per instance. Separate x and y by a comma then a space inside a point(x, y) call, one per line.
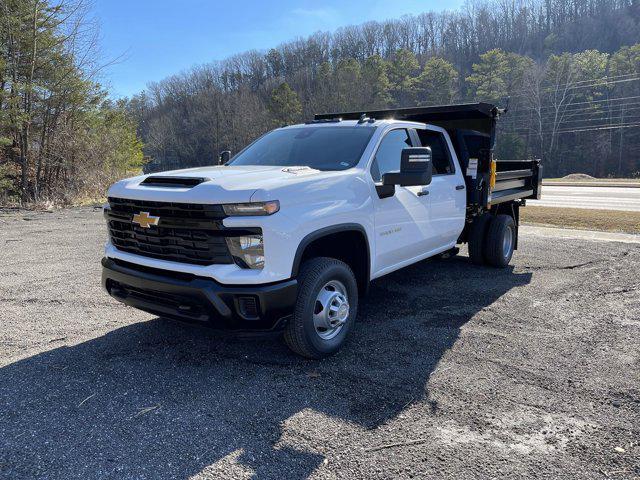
point(569, 127)
point(601, 82)
point(592, 81)
point(561, 125)
point(572, 118)
point(568, 106)
point(624, 75)
point(588, 106)
point(562, 128)
point(608, 127)
point(614, 102)
point(610, 108)
point(574, 114)
point(586, 129)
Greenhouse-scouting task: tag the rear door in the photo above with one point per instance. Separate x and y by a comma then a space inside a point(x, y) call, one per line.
point(401, 220)
point(447, 190)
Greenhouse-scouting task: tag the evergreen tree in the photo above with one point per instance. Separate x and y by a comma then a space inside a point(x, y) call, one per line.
point(625, 65)
point(498, 75)
point(591, 68)
point(285, 106)
point(403, 68)
point(625, 61)
point(53, 122)
point(375, 83)
point(348, 85)
point(436, 85)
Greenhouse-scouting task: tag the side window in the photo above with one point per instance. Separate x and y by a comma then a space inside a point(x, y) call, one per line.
point(389, 152)
point(442, 164)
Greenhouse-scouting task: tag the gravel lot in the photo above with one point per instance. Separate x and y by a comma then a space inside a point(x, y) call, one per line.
point(453, 371)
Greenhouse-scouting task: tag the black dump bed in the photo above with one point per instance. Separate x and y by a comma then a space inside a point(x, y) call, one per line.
point(472, 128)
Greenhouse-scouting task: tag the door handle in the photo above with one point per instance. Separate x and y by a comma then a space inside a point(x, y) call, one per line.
point(423, 192)
point(460, 187)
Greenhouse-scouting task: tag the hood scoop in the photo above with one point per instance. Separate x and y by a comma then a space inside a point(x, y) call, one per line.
point(173, 182)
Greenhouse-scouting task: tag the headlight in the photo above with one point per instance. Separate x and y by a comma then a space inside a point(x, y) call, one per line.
point(254, 208)
point(247, 251)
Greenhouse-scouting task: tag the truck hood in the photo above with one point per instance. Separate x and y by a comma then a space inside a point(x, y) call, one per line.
point(221, 184)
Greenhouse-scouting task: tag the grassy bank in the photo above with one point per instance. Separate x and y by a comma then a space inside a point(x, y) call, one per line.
point(603, 220)
point(594, 180)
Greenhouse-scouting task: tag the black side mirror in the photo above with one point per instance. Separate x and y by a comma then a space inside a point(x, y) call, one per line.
point(224, 157)
point(415, 168)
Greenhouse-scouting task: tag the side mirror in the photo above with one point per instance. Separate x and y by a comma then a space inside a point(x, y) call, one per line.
point(415, 168)
point(224, 157)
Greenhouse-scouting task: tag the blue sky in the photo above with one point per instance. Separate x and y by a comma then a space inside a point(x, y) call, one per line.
point(155, 39)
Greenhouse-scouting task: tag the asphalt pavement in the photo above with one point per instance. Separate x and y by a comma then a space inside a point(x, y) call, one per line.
point(603, 198)
point(453, 371)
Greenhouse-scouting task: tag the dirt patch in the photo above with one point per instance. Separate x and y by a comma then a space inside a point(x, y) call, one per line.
point(578, 176)
point(582, 218)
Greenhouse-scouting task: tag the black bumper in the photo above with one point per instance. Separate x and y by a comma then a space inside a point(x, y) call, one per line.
point(200, 300)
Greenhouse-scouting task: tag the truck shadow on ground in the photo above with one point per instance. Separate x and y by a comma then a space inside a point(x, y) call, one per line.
point(161, 400)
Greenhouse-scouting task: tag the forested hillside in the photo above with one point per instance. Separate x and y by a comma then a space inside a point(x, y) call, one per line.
point(569, 70)
point(60, 138)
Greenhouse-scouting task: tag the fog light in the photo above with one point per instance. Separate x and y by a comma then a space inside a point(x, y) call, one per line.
point(248, 307)
point(247, 251)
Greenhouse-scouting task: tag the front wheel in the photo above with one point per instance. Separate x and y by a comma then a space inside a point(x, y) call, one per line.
point(325, 310)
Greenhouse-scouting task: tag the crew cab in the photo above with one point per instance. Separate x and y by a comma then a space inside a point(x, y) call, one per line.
point(287, 234)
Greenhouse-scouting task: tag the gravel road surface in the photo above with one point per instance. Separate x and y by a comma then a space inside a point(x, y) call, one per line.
point(453, 371)
point(602, 198)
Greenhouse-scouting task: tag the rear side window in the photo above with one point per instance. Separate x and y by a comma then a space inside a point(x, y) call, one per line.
point(442, 163)
point(389, 153)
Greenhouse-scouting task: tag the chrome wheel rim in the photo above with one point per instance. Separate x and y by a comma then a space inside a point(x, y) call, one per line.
point(331, 310)
point(507, 242)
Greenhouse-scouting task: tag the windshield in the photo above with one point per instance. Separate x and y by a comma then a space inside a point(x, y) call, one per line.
point(322, 148)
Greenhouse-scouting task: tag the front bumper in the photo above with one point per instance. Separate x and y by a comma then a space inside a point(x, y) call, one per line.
point(200, 300)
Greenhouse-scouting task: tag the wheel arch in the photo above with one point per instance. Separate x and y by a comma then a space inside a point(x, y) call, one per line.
point(326, 242)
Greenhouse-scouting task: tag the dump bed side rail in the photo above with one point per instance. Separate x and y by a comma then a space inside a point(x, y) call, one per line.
point(515, 180)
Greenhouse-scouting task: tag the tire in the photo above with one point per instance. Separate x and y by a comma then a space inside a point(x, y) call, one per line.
point(500, 241)
point(319, 282)
point(477, 236)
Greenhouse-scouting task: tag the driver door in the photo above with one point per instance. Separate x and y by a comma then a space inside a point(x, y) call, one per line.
point(402, 220)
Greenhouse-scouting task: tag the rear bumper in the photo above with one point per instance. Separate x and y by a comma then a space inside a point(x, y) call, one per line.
point(200, 300)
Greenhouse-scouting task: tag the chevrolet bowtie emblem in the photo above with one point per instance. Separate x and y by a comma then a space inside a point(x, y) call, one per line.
point(145, 220)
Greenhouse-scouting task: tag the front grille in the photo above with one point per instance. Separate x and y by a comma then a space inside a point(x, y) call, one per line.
point(186, 233)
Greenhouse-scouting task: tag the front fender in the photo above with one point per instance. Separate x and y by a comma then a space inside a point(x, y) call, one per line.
point(307, 212)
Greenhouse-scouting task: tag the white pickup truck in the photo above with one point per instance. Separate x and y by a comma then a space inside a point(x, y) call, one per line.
point(288, 233)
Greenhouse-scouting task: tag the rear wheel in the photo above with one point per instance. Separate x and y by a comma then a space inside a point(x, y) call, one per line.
point(477, 236)
point(500, 241)
point(325, 310)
